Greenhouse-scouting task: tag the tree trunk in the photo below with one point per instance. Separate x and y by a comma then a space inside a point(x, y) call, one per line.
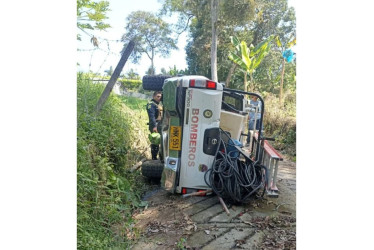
point(281, 83)
point(252, 86)
point(245, 81)
point(152, 65)
point(213, 49)
point(231, 72)
point(114, 77)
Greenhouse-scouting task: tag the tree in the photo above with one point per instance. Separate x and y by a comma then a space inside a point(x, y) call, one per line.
point(249, 59)
point(283, 48)
point(151, 35)
point(150, 71)
point(131, 74)
point(213, 48)
point(173, 71)
point(274, 18)
point(90, 16)
point(251, 21)
point(109, 71)
point(206, 47)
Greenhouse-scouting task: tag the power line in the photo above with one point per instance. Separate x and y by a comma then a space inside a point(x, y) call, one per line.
point(108, 50)
point(103, 50)
point(101, 38)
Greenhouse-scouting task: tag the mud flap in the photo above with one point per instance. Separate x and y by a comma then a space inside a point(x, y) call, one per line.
point(168, 179)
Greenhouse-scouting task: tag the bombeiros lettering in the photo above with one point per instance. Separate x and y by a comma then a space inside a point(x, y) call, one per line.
point(194, 125)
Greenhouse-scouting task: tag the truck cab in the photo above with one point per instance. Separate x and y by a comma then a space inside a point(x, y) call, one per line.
point(190, 131)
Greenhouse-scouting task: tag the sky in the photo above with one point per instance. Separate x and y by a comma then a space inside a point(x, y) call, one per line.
point(116, 18)
point(101, 60)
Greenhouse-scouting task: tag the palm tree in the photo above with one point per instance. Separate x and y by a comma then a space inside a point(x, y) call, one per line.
point(109, 71)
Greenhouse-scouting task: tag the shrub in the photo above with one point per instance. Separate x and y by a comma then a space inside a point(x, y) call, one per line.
point(280, 122)
point(106, 190)
point(130, 84)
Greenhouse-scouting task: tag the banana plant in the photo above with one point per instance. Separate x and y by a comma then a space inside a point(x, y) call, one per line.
point(249, 58)
point(287, 55)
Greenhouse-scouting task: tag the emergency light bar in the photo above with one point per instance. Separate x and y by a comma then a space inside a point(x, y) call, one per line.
point(200, 83)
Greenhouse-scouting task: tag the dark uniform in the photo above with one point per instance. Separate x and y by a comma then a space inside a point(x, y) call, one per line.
point(153, 114)
point(154, 110)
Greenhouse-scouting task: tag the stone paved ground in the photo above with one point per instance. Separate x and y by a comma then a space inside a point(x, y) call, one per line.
point(173, 222)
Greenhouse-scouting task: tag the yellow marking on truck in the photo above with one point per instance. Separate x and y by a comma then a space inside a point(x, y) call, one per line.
point(175, 137)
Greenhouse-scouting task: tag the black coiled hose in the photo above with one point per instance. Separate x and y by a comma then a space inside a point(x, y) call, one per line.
point(234, 176)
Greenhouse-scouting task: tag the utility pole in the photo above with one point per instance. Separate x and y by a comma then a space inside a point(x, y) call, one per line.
point(114, 76)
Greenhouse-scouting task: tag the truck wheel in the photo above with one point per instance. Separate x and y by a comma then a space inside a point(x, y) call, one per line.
point(154, 83)
point(152, 169)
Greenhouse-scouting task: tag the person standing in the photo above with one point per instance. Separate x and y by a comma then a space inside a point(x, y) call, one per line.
point(254, 116)
point(154, 110)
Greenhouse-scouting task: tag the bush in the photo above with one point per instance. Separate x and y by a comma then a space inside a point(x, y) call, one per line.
point(135, 103)
point(130, 84)
point(280, 122)
point(106, 190)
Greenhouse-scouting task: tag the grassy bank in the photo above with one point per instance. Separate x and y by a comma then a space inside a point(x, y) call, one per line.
point(110, 143)
point(280, 123)
point(107, 146)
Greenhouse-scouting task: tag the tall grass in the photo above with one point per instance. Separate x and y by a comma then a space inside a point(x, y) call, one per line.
point(106, 191)
point(280, 122)
point(135, 103)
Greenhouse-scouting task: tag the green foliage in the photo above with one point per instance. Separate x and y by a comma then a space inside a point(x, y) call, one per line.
point(151, 70)
point(280, 122)
point(131, 74)
point(130, 84)
point(279, 20)
point(134, 103)
point(233, 17)
point(291, 43)
point(106, 190)
point(91, 14)
point(249, 59)
point(250, 21)
point(151, 36)
point(290, 137)
point(181, 244)
point(173, 71)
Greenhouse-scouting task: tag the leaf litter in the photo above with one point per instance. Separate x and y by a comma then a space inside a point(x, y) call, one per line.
point(279, 232)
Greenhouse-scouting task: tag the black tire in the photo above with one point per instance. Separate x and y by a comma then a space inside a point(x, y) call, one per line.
point(152, 169)
point(154, 83)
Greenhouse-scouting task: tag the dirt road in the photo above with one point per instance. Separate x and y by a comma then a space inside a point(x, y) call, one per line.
point(173, 222)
